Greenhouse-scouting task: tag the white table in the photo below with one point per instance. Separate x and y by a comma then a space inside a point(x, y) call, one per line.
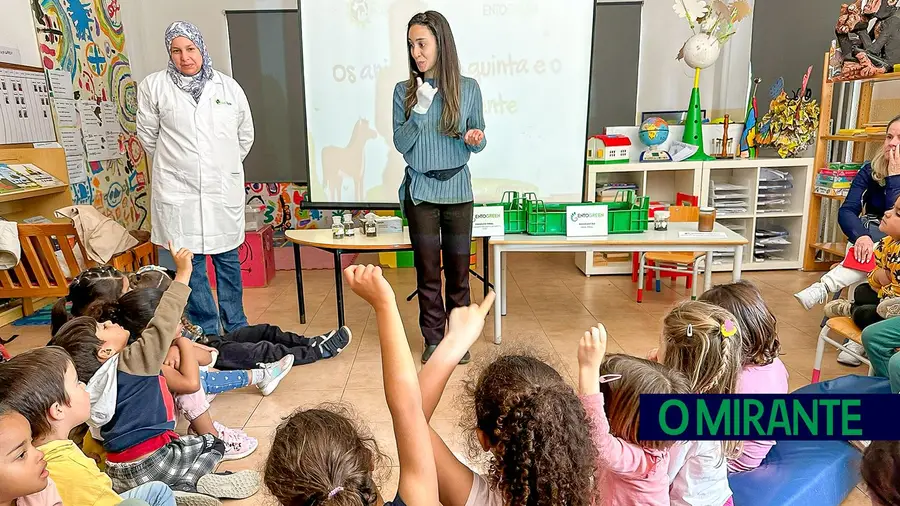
point(650, 240)
point(359, 243)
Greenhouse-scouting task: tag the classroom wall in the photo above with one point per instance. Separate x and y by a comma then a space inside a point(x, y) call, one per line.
point(17, 30)
point(147, 21)
point(664, 83)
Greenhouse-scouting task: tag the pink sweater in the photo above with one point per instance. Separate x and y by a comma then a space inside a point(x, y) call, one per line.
point(627, 473)
point(47, 497)
point(759, 379)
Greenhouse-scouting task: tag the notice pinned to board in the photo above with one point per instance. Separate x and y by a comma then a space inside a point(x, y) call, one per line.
point(77, 170)
point(61, 84)
point(66, 113)
point(100, 129)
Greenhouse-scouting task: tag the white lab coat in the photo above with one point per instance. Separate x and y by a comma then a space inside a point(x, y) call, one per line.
point(197, 174)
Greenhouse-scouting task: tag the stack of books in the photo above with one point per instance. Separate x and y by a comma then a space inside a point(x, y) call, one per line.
point(836, 179)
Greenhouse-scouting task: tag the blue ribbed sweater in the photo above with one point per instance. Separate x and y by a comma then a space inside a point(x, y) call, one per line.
point(425, 148)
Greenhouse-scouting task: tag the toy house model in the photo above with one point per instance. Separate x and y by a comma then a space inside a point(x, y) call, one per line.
point(606, 149)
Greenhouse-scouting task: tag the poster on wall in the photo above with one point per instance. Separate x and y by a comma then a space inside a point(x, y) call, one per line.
point(84, 40)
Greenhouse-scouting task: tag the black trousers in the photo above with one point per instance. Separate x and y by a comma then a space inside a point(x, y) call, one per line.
point(865, 302)
point(247, 346)
point(436, 229)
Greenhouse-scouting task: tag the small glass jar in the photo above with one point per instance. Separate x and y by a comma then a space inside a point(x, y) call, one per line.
point(661, 220)
point(337, 228)
point(707, 219)
point(371, 228)
point(348, 225)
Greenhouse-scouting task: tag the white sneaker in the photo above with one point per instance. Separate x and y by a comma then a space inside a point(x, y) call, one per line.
point(194, 499)
point(838, 308)
point(813, 295)
point(889, 308)
point(274, 373)
point(229, 485)
point(848, 359)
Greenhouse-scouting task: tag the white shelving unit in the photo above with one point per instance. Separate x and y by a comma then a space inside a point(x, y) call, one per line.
point(662, 181)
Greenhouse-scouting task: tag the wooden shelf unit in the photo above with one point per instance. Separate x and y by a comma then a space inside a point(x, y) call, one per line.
point(662, 180)
point(22, 204)
point(816, 243)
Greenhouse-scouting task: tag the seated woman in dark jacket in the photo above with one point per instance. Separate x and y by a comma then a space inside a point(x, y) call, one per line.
point(873, 191)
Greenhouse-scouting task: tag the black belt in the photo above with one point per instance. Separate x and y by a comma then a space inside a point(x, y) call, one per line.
point(443, 174)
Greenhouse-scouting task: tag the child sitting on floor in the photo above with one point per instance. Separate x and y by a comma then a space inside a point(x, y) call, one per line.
point(630, 471)
point(139, 439)
point(245, 347)
point(525, 414)
point(762, 372)
point(703, 342)
point(880, 298)
point(43, 386)
point(24, 480)
point(319, 456)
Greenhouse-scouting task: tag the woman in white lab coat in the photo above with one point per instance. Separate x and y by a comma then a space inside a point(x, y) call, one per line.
point(195, 124)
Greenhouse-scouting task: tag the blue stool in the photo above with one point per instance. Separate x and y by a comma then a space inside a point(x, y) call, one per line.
point(814, 473)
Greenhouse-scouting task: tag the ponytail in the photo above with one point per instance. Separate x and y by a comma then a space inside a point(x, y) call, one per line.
point(59, 315)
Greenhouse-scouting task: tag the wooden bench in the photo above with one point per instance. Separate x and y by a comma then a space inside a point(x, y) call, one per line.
point(48, 263)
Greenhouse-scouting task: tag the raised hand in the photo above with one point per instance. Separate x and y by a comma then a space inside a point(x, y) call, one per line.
point(368, 282)
point(466, 323)
point(183, 263)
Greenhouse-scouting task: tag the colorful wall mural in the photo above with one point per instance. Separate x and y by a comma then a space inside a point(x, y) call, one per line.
point(86, 39)
point(280, 203)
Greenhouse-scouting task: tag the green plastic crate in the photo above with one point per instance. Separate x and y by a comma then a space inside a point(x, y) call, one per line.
point(627, 214)
point(515, 217)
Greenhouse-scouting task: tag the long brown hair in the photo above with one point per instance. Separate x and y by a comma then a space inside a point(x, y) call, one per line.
point(446, 71)
point(321, 456)
point(622, 396)
point(542, 452)
point(757, 323)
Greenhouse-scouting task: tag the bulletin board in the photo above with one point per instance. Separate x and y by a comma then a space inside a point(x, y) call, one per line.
point(82, 43)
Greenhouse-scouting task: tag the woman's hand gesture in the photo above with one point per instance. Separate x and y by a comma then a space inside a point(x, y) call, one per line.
point(863, 248)
point(894, 161)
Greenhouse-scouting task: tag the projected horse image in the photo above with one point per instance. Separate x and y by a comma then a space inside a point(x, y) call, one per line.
point(340, 164)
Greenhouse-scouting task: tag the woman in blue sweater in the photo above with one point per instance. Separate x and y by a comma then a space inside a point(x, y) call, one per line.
point(438, 124)
point(873, 191)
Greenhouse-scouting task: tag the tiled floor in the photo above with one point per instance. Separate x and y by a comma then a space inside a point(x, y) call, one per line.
point(550, 304)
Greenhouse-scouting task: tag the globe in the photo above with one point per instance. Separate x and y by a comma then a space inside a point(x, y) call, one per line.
point(701, 51)
point(654, 131)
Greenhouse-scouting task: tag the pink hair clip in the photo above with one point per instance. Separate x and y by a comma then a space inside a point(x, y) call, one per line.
point(335, 492)
point(609, 378)
point(729, 328)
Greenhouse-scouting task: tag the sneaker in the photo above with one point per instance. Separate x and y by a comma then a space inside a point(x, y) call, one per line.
point(839, 307)
point(889, 308)
point(813, 296)
point(429, 350)
point(273, 374)
point(229, 485)
point(334, 342)
point(194, 499)
point(237, 443)
point(219, 427)
point(847, 359)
